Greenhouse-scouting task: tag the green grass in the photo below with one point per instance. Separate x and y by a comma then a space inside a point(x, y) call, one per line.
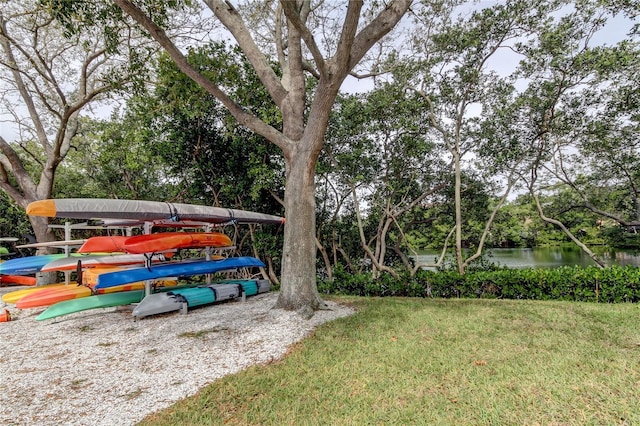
point(441, 362)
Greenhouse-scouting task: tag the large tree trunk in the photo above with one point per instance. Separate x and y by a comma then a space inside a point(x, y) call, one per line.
point(300, 140)
point(299, 251)
point(41, 228)
point(27, 191)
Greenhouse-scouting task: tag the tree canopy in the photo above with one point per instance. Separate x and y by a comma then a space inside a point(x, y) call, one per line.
point(485, 124)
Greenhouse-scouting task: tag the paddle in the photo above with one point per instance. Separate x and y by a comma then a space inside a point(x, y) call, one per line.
point(79, 272)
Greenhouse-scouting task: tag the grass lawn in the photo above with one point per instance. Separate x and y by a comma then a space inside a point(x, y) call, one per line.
point(441, 362)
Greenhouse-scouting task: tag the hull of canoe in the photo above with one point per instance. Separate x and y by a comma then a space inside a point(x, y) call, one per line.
point(162, 241)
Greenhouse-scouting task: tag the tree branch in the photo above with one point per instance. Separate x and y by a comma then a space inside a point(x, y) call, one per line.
point(5, 42)
point(235, 109)
point(10, 161)
point(289, 8)
point(230, 18)
point(373, 32)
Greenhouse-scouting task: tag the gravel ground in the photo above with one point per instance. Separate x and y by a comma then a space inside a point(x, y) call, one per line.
point(101, 367)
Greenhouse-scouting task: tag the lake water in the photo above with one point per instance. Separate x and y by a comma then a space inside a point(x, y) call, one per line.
point(548, 257)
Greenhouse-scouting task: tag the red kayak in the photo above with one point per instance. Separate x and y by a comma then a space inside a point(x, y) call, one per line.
point(17, 279)
point(103, 244)
point(49, 296)
point(163, 241)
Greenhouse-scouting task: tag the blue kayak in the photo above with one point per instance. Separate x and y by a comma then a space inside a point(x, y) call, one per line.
point(28, 265)
point(180, 269)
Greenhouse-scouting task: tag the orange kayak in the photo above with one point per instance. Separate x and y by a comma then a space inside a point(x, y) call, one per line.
point(163, 241)
point(103, 244)
point(50, 296)
point(14, 296)
point(17, 279)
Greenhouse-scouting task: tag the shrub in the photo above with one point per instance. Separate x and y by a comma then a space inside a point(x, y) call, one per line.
point(591, 284)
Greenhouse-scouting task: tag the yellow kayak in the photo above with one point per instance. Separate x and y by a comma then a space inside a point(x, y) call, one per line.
point(14, 296)
point(49, 295)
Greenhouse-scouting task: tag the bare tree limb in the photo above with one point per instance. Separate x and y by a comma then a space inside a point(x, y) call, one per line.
point(379, 27)
point(293, 15)
point(230, 18)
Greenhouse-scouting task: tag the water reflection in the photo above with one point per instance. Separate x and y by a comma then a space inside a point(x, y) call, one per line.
point(548, 257)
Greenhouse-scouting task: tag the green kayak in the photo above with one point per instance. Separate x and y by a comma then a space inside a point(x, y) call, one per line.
point(108, 300)
point(92, 302)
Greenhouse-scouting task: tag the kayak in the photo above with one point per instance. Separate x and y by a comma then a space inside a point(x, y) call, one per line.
point(179, 299)
point(162, 241)
point(103, 244)
point(17, 279)
point(28, 265)
point(98, 261)
point(180, 269)
point(92, 302)
point(142, 211)
point(51, 296)
point(14, 296)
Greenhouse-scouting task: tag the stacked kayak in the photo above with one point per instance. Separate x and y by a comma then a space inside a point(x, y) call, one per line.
point(17, 279)
point(142, 211)
point(50, 295)
point(103, 244)
point(16, 295)
point(183, 299)
point(119, 288)
point(91, 302)
point(162, 241)
point(178, 269)
point(98, 261)
point(28, 265)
